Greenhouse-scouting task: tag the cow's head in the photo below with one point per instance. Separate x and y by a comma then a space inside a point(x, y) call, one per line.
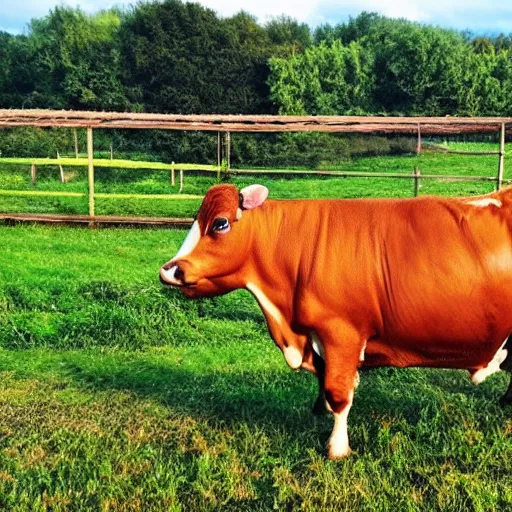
point(215, 250)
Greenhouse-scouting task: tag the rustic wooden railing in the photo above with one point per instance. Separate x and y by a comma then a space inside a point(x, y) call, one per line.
point(225, 124)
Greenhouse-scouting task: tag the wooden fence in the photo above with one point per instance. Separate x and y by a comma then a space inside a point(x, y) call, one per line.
point(224, 125)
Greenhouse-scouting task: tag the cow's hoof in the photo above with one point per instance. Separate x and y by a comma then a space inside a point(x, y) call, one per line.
point(320, 407)
point(339, 454)
point(338, 448)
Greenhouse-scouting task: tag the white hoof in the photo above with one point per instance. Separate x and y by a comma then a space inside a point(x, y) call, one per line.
point(339, 449)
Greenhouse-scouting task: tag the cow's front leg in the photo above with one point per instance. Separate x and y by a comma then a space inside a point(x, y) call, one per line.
point(342, 346)
point(320, 406)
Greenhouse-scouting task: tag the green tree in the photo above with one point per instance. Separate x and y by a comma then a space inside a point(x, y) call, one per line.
point(77, 60)
point(17, 71)
point(324, 80)
point(288, 36)
point(180, 57)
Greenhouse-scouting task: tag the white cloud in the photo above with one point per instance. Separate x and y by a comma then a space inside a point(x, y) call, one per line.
point(265, 10)
point(477, 15)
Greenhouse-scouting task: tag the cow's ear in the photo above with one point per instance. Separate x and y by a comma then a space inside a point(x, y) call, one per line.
point(253, 196)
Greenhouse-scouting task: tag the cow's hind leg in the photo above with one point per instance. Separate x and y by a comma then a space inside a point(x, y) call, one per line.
point(320, 406)
point(342, 347)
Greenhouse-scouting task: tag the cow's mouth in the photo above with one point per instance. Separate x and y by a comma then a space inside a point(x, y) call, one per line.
point(182, 284)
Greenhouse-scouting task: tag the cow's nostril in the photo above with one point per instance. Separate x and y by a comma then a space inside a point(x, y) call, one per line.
point(179, 274)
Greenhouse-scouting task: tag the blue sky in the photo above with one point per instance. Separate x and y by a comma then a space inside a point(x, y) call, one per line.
point(479, 16)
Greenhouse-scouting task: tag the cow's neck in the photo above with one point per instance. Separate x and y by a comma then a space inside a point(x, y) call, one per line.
point(271, 267)
point(272, 279)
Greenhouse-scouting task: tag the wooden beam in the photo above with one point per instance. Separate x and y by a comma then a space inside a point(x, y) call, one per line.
point(33, 173)
point(416, 178)
point(40, 193)
point(228, 150)
point(90, 171)
point(116, 164)
point(62, 178)
point(501, 159)
point(418, 145)
point(167, 197)
point(85, 219)
point(253, 123)
point(76, 142)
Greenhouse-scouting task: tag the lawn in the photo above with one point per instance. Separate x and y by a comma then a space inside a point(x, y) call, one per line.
point(118, 394)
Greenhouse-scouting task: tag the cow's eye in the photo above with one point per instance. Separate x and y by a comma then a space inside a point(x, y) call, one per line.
point(220, 225)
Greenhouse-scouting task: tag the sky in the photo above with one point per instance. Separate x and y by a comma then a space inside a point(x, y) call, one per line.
point(479, 16)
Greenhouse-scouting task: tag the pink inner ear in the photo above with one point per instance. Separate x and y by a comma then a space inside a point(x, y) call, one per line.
point(254, 196)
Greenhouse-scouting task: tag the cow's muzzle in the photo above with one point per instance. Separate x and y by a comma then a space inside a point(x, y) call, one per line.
point(172, 274)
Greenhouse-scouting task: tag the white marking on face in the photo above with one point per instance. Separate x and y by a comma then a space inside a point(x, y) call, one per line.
point(494, 366)
point(265, 303)
point(482, 203)
point(338, 442)
point(293, 357)
point(317, 344)
point(190, 241)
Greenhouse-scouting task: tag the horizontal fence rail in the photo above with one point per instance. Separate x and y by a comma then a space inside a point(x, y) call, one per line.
point(253, 123)
point(224, 124)
point(118, 164)
point(51, 218)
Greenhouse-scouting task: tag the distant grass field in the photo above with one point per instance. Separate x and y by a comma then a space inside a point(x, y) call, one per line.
point(119, 395)
point(144, 181)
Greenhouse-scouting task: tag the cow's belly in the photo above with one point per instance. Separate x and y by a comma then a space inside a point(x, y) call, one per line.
point(470, 353)
point(461, 329)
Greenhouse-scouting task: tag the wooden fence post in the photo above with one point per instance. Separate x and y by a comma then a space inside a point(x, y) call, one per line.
point(219, 149)
point(219, 155)
point(90, 173)
point(501, 159)
point(228, 150)
point(62, 179)
point(76, 143)
point(416, 179)
point(181, 181)
point(33, 173)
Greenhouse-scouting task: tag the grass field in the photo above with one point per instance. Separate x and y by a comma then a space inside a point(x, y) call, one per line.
point(144, 181)
point(117, 394)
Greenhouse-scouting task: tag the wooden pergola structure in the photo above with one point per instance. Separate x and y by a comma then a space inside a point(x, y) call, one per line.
point(253, 123)
point(224, 125)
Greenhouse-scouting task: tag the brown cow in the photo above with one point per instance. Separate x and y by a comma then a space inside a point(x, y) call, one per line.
point(349, 284)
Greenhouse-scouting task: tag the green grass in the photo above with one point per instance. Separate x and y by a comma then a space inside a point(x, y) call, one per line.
point(147, 181)
point(117, 394)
